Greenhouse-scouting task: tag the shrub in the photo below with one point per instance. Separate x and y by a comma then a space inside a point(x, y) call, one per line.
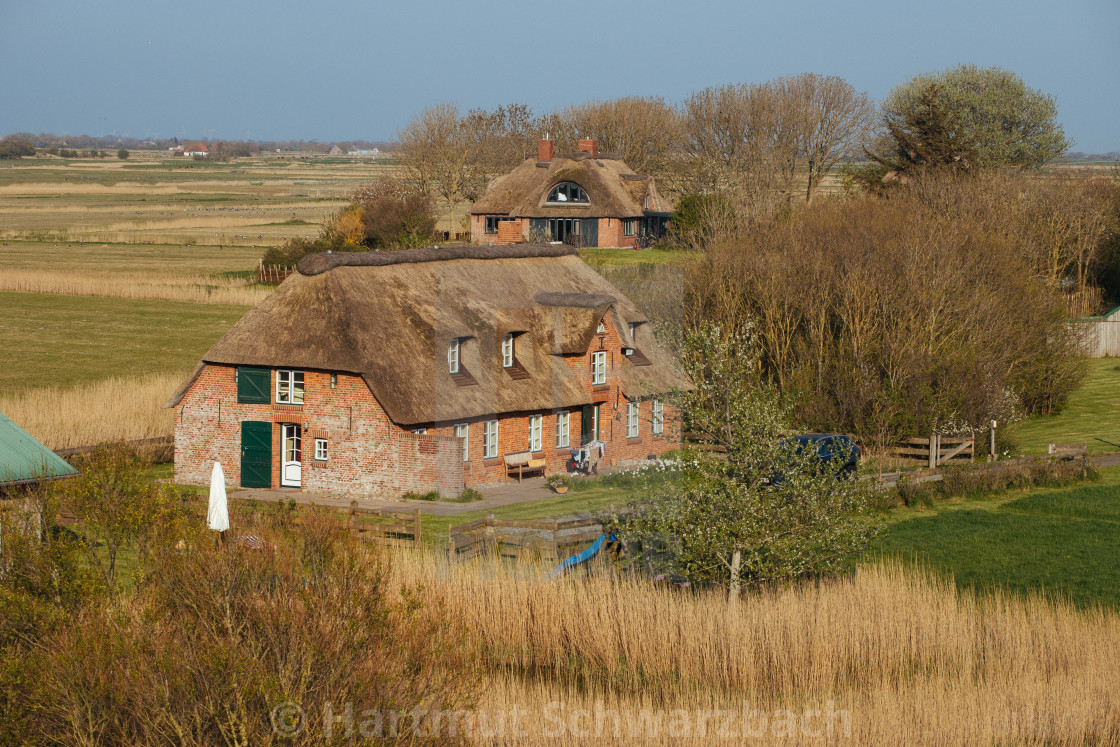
point(217, 639)
point(14, 146)
point(470, 495)
point(843, 294)
point(122, 154)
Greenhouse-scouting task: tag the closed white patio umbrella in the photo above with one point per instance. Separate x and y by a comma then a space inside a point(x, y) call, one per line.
point(217, 515)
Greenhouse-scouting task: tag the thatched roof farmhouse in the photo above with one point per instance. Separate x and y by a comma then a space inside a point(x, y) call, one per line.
point(377, 373)
point(585, 198)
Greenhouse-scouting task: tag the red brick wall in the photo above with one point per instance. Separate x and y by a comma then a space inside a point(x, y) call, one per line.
point(372, 456)
point(610, 234)
point(367, 454)
point(509, 232)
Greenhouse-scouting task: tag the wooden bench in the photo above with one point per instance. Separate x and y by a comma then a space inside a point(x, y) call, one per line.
point(522, 463)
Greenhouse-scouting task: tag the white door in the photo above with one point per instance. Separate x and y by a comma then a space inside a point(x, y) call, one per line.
point(290, 456)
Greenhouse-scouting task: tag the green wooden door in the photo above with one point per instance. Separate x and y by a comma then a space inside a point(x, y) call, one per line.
point(256, 454)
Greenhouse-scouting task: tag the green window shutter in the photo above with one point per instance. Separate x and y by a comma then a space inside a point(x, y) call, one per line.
point(254, 385)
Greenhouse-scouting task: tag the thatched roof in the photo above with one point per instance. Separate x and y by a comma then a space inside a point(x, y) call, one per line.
point(613, 190)
point(389, 317)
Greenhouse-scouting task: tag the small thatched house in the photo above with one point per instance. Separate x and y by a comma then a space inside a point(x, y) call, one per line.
point(378, 373)
point(586, 198)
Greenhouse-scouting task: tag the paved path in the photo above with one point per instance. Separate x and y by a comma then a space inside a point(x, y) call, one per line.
point(530, 489)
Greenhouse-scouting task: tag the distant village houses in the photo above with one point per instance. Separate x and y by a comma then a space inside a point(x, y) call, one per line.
point(377, 373)
point(193, 149)
point(586, 198)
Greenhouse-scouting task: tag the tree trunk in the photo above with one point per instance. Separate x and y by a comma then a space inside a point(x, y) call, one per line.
point(736, 560)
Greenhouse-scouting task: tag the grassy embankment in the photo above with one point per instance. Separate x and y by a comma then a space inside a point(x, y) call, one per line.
point(1093, 412)
point(83, 369)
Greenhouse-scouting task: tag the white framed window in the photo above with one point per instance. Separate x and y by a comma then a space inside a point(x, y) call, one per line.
point(632, 413)
point(628, 226)
point(453, 357)
point(658, 416)
point(601, 329)
point(320, 450)
point(420, 431)
point(507, 351)
point(490, 439)
point(599, 367)
point(535, 428)
point(563, 429)
point(567, 192)
point(463, 431)
point(289, 387)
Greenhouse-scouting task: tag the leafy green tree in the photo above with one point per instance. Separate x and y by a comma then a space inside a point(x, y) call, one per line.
point(122, 154)
point(926, 134)
point(1009, 123)
point(119, 507)
point(752, 510)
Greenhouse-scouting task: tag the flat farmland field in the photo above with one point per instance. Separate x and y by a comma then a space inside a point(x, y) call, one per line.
point(116, 276)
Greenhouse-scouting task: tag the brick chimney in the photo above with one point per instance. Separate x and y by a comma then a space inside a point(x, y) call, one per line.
point(545, 150)
point(589, 146)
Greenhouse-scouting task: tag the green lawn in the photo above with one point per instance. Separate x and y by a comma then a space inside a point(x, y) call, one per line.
point(1063, 542)
point(594, 498)
point(63, 340)
point(1093, 411)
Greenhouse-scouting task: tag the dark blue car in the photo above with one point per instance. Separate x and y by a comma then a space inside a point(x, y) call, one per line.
point(832, 452)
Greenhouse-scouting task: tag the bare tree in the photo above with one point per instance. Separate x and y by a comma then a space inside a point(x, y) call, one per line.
point(442, 156)
point(646, 132)
point(833, 122)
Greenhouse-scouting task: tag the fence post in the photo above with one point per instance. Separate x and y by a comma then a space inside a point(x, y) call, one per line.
point(416, 527)
point(450, 545)
point(933, 450)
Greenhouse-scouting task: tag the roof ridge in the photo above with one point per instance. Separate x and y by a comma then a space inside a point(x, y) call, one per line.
point(317, 264)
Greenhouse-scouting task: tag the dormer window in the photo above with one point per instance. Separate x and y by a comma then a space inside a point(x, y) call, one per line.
point(507, 351)
point(453, 357)
point(567, 192)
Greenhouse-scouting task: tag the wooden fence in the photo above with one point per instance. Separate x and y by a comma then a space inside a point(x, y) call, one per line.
point(143, 444)
point(272, 274)
point(937, 450)
point(549, 540)
point(401, 530)
point(1100, 335)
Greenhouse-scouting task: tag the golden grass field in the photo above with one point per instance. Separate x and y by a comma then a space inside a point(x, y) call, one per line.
point(147, 228)
point(897, 657)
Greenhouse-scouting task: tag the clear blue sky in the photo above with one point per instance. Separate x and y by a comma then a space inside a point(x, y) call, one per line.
point(332, 70)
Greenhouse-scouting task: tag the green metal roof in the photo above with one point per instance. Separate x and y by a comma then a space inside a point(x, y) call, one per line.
point(25, 459)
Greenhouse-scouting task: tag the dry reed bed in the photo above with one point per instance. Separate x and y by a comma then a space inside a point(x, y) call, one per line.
point(146, 285)
point(116, 409)
point(912, 661)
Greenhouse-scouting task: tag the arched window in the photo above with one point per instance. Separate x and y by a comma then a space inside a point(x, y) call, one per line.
point(567, 192)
